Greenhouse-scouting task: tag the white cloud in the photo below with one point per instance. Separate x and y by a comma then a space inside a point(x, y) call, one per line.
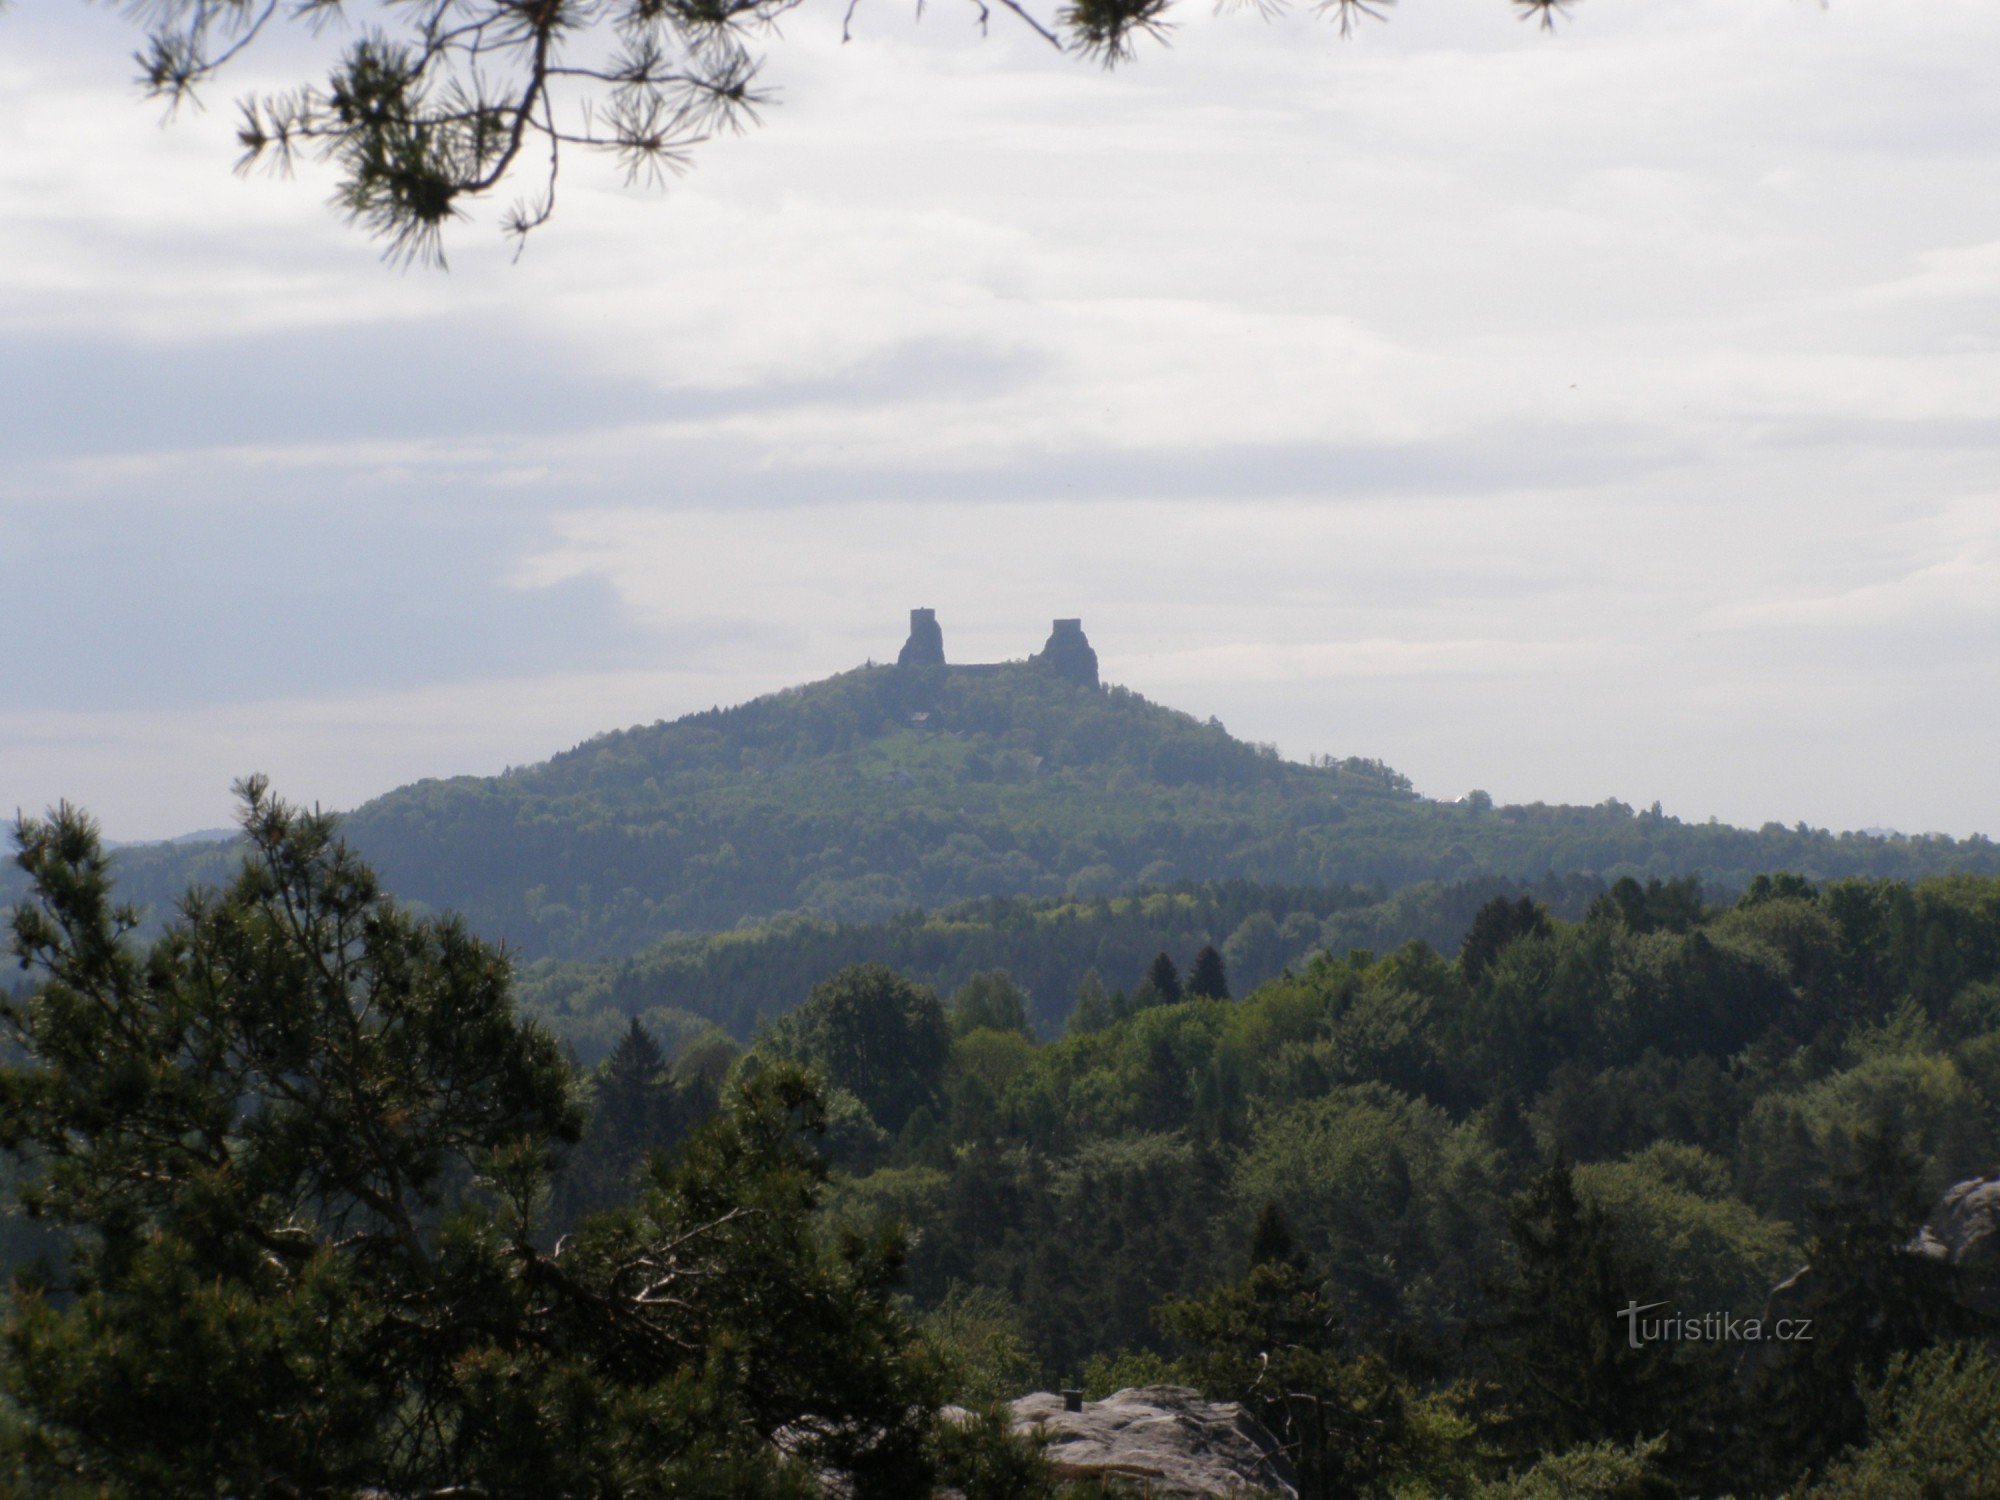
point(1530, 411)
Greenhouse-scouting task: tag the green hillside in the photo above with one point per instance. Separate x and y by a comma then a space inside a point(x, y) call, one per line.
point(889, 788)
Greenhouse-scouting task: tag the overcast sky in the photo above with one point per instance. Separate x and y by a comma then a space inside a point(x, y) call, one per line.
point(1608, 414)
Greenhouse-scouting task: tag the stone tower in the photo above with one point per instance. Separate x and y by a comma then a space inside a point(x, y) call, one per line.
point(925, 647)
point(1068, 653)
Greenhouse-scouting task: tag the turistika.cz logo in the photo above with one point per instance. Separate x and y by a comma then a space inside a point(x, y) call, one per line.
point(1708, 1328)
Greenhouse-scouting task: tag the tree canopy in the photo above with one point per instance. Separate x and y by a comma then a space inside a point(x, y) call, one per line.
point(425, 106)
point(302, 1146)
point(308, 1170)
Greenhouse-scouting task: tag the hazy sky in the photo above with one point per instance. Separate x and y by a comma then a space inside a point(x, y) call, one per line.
point(1608, 414)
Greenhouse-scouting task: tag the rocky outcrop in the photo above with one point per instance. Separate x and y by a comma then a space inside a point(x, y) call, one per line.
point(1068, 653)
point(925, 647)
point(1963, 1230)
point(1162, 1440)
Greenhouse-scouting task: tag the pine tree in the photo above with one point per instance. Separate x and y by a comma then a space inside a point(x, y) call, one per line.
point(1274, 1342)
point(424, 118)
point(1162, 984)
point(301, 1144)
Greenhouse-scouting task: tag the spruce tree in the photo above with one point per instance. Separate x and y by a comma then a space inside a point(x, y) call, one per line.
point(632, 1112)
point(1274, 1342)
point(1208, 980)
point(1563, 1355)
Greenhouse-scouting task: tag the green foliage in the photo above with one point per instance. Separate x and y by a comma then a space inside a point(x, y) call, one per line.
point(1207, 979)
point(1498, 923)
point(1107, 1374)
point(990, 1001)
point(1273, 1341)
point(874, 1034)
point(1094, 1008)
point(1566, 1369)
point(1161, 986)
point(1352, 1172)
point(1676, 1206)
point(1934, 1430)
point(980, 1457)
point(1866, 1297)
point(1048, 948)
point(1798, 1136)
point(975, 1337)
point(1424, 1308)
point(302, 1145)
point(1595, 1471)
point(637, 1106)
point(1656, 906)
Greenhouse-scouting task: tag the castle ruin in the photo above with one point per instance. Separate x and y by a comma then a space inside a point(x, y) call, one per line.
point(1067, 653)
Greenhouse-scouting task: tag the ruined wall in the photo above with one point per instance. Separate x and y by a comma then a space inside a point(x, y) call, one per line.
point(1067, 652)
point(925, 647)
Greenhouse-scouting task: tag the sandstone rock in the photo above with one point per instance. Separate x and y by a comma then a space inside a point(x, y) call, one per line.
point(1162, 1439)
point(1963, 1229)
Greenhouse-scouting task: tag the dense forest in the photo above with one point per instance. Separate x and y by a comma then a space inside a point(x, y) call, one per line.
point(319, 1211)
point(1052, 949)
point(887, 789)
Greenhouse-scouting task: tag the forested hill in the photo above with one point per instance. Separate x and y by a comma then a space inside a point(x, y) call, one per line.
point(889, 788)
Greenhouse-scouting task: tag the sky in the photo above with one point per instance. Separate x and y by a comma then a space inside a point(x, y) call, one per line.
point(1607, 414)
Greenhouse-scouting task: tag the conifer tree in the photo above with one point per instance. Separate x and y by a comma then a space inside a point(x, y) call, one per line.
point(302, 1142)
point(1864, 1296)
point(1494, 926)
point(632, 1112)
point(1273, 1341)
point(424, 111)
point(1565, 1364)
point(1272, 1241)
point(1208, 980)
point(1093, 1006)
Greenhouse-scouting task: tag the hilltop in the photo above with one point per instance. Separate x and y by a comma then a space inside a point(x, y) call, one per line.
point(915, 785)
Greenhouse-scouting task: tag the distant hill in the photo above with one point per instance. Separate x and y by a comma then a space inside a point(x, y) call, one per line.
point(199, 836)
point(888, 788)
